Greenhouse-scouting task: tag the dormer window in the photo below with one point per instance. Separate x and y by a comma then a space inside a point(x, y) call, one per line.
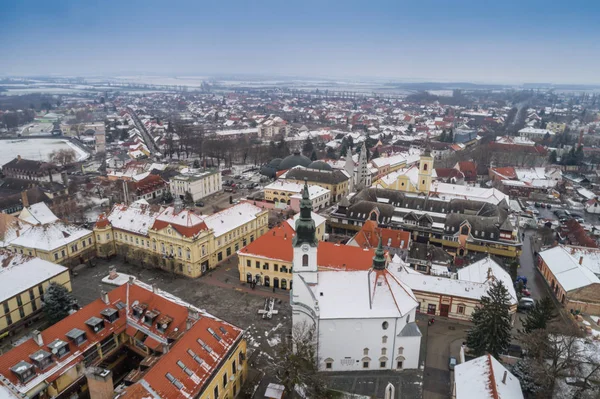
point(24, 371)
point(150, 316)
point(96, 324)
point(138, 310)
point(41, 359)
point(59, 348)
point(77, 336)
point(163, 322)
point(110, 314)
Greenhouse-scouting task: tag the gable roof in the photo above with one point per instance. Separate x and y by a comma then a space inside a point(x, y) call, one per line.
point(369, 234)
point(483, 378)
point(567, 270)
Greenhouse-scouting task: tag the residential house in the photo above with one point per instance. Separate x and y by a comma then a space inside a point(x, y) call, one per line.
point(485, 378)
point(198, 185)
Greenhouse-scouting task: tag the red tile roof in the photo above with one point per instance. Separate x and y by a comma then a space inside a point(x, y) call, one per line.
point(505, 173)
point(277, 244)
point(368, 236)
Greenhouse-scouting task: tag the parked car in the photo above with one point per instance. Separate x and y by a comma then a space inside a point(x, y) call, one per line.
point(549, 206)
point(537, 204)
point(452, 363)
point(543, 205)
point(526, 292)
point(228, 190)
point(525, 304)
point(199, 204)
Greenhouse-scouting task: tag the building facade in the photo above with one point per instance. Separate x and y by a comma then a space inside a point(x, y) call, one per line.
point(336, 181)
point(177, 239)
point(198, 185)
point(23, 281)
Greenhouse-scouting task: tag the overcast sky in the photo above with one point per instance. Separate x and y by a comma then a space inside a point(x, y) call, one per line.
point(477, 41)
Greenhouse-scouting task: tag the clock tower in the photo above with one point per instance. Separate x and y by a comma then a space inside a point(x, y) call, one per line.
point(305, 242)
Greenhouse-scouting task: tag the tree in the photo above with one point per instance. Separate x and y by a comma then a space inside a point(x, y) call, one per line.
point(523, 371)
point(196, 164)
point(63, 157)
point(540, 315)
point(58, 302)
point(553, 157)
point(514, 270)
point(308, 147)
point(331, 153)
point(491, 323)
point(296, 363)
point(375, 153)
point(443, 136)
point(450, 136)
point(344, 149)
point(313, 155)
point(188, 199)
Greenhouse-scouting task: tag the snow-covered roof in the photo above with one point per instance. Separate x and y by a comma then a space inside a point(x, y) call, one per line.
point(313, 192)
point(232, 218)
point(285, 185)
point(449, 191)
point(137, 218)
point(319, 220)
point(484, 378)
point(38, 214)
point(49, 237)
point(21, 272)
point(487, 270)
point(362, 294)
point(567, 270)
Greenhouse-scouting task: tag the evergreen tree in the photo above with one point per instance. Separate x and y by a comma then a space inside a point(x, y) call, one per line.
point(522, 369)
point(313, 156)
point(451, 136)
point(375, 153)
point(538, 317)
point(308, 147)
point(514, 270)
point(491, 323)
point(58, 302)
point(443, 136)
point(196, 164)
point(343, 149)
point(331, 153)
point(553, 157)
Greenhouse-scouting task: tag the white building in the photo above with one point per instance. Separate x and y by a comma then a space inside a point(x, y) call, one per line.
point(199, 185)
point(535, 134)
point(364, 320)
point(319, 198)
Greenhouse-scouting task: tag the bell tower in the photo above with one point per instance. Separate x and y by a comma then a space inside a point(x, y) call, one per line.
point(305, 241)
point(425, 171)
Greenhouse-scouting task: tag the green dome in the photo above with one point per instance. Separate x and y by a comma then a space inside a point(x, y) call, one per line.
point(294, 160)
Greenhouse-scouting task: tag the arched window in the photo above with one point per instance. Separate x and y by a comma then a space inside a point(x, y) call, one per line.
point(304, 260)
point(407, 319)
point(267, 281)
point(283, 284)
point(366, 352)
point(385, 325)
point(425, 166)
point(384, 339)
point(249, 277)
point(464, 230)
point(401, 350)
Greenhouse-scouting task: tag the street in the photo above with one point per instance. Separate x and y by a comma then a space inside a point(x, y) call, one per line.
point(535, 282)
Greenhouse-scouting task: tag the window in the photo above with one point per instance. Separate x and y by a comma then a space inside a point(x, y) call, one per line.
point(266, 266)
point(401, 350)
point(220, 256)
point(19, 301)
point(384, 339)
point(90, 241)
point(365, 364)
point(460, 309)
point(233, 368)
point(407, 319)
point(228, 251)
point(385, 325)
point(83, 243)
point(216, 392)
point(179, 251)
point(41, 290)
point(248, 263)
point(56, 256)
point(305, 260)
point(365, 351)
point(382, 364)
point(383, 351)
point(31, 295)
point(8, 319)
point(62, 253)
point(224, 380)
point(188, 253)
point(107, 236)
point(328, 364)
point(5, 305)
point(257, 263)
point(399, 364)
point(21, 312)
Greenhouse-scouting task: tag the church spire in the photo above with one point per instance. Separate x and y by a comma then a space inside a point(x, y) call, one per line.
point(305, 225)
point(379, 258)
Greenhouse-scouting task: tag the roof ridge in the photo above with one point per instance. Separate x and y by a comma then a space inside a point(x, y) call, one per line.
point(492, 378)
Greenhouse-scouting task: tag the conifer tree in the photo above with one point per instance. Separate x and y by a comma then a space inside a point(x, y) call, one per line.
point(58, 302)
point(538, 317)
point(491, 323)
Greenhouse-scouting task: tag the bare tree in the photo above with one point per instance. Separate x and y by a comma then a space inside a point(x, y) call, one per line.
point(297, 363)
point(63, 157)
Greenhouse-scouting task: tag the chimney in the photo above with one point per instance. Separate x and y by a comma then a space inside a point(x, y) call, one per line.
point(581, 260)
point(65, 179)
point(189, 323)
point(18, 157)
point(104, 296)
point(112, 273)
point(131, 280)
point(165, 348)
point(37, 337)
point(100, 383)
point(155, 288)
point(24, 199)
point(489, 273)
point(504, 376)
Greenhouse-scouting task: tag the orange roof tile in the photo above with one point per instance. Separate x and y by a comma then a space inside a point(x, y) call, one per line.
point(368, 236)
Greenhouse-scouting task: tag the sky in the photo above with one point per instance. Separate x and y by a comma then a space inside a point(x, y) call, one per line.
point(462, 40)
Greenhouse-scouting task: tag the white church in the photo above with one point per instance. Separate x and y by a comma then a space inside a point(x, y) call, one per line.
point(364, 320)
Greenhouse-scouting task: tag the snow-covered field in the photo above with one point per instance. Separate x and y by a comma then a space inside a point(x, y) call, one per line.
point(37, 149)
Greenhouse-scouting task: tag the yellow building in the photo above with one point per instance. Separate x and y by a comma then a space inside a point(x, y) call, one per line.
point(157, 344)
point(414, 179)
point(178, 240)
point(23, 281)
point(556, 127)
point(281, 191)
point(51, 239)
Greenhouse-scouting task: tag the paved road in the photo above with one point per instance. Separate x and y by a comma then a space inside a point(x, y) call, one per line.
point(444, 339)
point(535, 281)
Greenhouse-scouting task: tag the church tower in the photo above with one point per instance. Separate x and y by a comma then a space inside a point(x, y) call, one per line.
point(425, 171)
point(363, 175)
point(349, 167)
point(379, 262)
point(305, 241)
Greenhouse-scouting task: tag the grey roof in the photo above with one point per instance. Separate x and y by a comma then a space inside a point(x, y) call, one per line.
point(318, 176)
point(410, 330)
point(320, 165)
point(426, 252)
point(293, 160)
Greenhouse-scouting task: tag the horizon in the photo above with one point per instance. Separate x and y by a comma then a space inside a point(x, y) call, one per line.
point(506, 43)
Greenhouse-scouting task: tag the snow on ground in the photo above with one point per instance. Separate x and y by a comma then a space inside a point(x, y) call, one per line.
point(36, 149)
point(121, 279)
point(276, 340)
